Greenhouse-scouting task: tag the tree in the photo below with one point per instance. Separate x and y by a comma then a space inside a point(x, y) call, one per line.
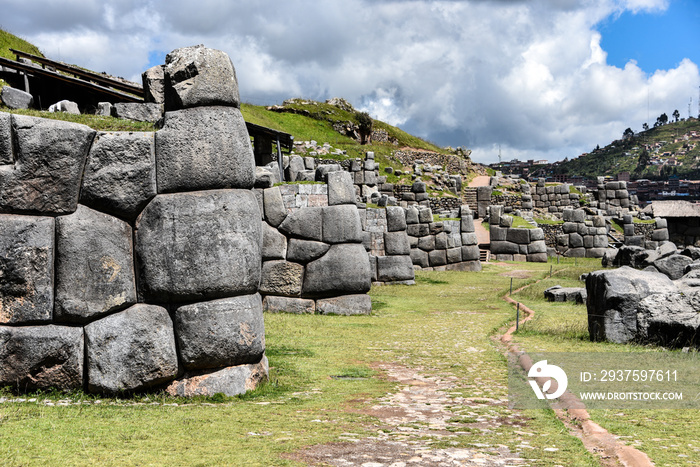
point(364, 122)
point(628, 134)
point(645, 127)
point(662, 120)
point(643, 160)
point(676, 114)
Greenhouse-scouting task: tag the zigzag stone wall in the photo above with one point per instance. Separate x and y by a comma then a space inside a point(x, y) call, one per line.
point(510, 243)
point(129, 261)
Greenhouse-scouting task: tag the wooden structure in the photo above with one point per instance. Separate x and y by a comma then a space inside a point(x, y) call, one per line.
point(263, 138)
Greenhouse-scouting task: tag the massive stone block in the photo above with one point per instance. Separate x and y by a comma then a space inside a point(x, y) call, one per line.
point(274, 243)
point(49, 161)
point(396, 243)
point(275, 212)
point(199, 246)
point(344, 269)
point(204, 148)
point(303, 251)
point(304, 223)
point(341, 224)
point(120, 175)
point(613, 297)
point(26, 269)
point(6, 151)
point(198, 76)
point(275, 304)
point(229, 381)
point(340, 188)
point(130, 350)
point(395, 219)
point(220, 333)
point(670, 319)
point(41, 357)
point(281, 278)
point(94, 266)
point(395, 268)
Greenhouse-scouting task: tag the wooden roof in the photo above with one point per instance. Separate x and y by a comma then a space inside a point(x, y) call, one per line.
point(673, 209)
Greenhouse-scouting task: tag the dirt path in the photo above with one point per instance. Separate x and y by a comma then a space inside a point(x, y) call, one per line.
point(481, 180)
point(412, 420)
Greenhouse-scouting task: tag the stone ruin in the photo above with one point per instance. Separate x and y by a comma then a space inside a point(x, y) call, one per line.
point(510, 243)
point(128, 260)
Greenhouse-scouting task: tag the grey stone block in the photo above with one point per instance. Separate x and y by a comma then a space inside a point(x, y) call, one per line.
point(187, 251)
point(345, 305)
point(26, 269)
point(298, 306)
point(130, 350)
point(41, 357)
point(138, 111)
point(341, 224)
point(296, 166)
point(220, 333)
point(120, 176)
point(344, 269)
point(437, 257)
point(575, 240)
point(395, 268)
point(427, 243)
point(94, 266)
point(204, 148)
point(538, 246)
point(537, 258)
point(274, 245)
point(454, 255)
point(6, 152)
point(395, 219)
point(536, 235)
point(16, 98)
point(304, 223)
point(470, 253)
point(411, 215)
point(498, 234)
point(340, 188)
point(304, 251)
point(425, 215)
point(519, 236)
point(50, 160)
point(659, 235)
point(396, 243)
point(281, 278)
point(420, 258)
point(504, 248)
point(153, 81)
point(230, 381)
point(469, 239)
point(275, 212)
point(199, 76)
point(441, 241)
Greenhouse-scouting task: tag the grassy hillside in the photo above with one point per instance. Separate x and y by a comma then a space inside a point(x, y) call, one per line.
point(9, 41)
point(667, 157)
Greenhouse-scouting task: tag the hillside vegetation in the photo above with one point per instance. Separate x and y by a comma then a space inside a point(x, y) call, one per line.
point(10, 41)
point(671, 149)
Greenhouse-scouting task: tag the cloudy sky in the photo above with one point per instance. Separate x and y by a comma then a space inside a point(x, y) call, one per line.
point(539, 79)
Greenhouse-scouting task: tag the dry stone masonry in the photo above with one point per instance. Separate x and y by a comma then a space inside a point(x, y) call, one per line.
point(510, 243)
point(130, 261)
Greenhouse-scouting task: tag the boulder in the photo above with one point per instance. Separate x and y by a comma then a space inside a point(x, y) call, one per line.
point(345, 305)
point(341, 224)
point(395, 268)
point(230, 381)
point(50, 158)
point(120, 175)
point(220, 333)
point(275, 304)
point(26, 269)
point(281, 278)
point(104, 109)
point(94, 266)
point(186, 250)
point(41, 357)
point(130, 350)
point(304, 251)
point(66, 106)
point(671, 320)
point(344, 269)
point(340, 188)
point(16, 98)
point(138, 111)
point(199, 76)
point(613, 298)
point(566, 294)
point(673, 266)
point(204, 148)
point(304, 223)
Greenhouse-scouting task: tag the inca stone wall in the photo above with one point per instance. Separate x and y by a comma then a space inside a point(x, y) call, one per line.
point(648, 236)
point(387, 243)
point(129, 261)
point(509, 243)
point(582, 237)
point(442, 245)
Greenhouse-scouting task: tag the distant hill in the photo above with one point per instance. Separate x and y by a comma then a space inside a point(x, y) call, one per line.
point(671, 149)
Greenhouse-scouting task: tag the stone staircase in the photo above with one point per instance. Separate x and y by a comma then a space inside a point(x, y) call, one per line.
point(470, 199)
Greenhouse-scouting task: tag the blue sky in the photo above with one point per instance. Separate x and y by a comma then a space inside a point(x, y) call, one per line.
point(539, 79)
point(655, 40)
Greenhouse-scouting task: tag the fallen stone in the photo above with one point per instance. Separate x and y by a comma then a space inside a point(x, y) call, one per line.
point(130, 350)
point(220, 333)
point(673, 266)
point(41, 357)
point(230, 381)
point(66, 106)
point(16, 98)
point(139, 112)
point(345, 305)
point(670, 320)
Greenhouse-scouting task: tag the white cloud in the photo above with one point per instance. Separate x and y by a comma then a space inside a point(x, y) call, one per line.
point(528, 75)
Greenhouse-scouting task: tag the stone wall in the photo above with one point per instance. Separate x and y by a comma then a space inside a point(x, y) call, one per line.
point(613, 198)
point(582, 237)
point(554, 198)
point(509, 243)
point(446, 245)
point(648, 236)
point(130, 261)
point(387, 243)
point(684, 231)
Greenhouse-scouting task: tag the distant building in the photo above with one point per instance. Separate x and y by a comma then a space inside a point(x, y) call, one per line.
point(623, 177)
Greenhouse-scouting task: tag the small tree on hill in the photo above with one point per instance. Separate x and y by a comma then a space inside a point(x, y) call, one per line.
point(364, 121)
point(628, 134)
point(643, 160)
point(676, 114)
point(645, 127)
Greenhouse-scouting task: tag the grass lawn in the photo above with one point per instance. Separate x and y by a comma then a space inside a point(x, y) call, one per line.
point(322, 381)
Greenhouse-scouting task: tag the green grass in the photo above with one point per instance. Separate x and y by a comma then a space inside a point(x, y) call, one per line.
point(95, 122)
point(10, 41)
point(322, 378)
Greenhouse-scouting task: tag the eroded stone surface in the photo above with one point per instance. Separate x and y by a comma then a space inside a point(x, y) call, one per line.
point(230, 381)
